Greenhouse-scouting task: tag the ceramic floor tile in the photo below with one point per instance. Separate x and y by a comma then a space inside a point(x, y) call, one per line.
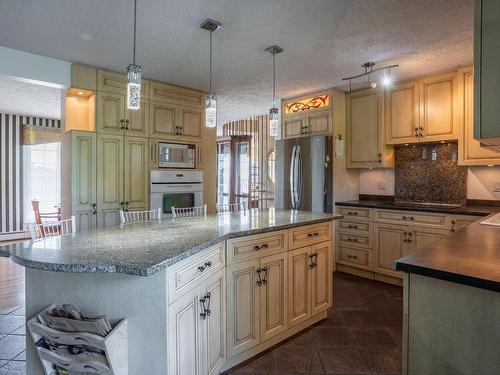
point(343, 360)
point(8, 310)
point(13, 368)
point(3, 362)
point(20, 357)
point(11, 346)
point(382, 359)
point(20, 331)
point(9, 323)
point(371, 337)
point(332, 336)
point(19, 311)
point(298, 359)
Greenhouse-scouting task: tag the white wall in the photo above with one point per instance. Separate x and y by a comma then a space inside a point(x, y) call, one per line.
point(35, 68)
point(481, 182)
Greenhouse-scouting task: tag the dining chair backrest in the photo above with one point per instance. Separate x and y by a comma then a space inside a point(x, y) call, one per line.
point(40, 216)
point(189, 211)
point(127, 217)
point(50, 229)
point(231, 207)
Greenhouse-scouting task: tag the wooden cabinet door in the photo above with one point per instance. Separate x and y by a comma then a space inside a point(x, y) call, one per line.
point(110, 115)
point(419, 238)
point(365, 130)
point(184, 335)
point(299, 285)
point(212, 352)
point(83, 179)
point(162, 119)
point(153, 153)
point(109, 179)
point(243, 307)
point(191, 122)
point(438, 107)
point(470, 151)
point(293, 126)
point(138, 120)
point(390, 245)
point(321, 280)
point(318, 122)
point(136, 181)
point(402, 113)
point(273, 299)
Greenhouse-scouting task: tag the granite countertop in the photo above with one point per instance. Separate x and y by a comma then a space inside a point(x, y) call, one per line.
point(146, 248)
point(391, 205)
point(470, 256)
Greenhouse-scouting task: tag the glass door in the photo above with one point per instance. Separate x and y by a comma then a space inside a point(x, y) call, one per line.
point(224, 173)
point(243, 159)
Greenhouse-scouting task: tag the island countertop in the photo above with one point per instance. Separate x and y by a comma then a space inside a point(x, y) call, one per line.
point(148, 247)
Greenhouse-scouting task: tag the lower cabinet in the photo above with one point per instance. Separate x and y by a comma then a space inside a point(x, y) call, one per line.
point(257, 301)
point(196, 327)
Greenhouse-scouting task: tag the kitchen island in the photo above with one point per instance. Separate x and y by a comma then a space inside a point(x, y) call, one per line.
point(200, 295)
point(451, 321)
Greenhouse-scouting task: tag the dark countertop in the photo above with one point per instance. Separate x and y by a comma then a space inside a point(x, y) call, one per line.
point(390, 205)
point(148, 247)
point(470, 256)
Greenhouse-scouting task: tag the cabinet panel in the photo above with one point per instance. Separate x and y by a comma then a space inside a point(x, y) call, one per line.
point(293, 126)
point(402, 121)
point(390, 245)
point(174, 94)
point(299, 286)
point(162, 120)
point(321, 280)
point(136, 185)
point(419, 238)
point(354, 227)
point(359, 258)
point(273, 300)
point(318, 122)
point(110, 113)
point(457, 223)
point(256, 246)
point(243, 330)
point(430, 220)
point(113, 82)
point(349, 239)
point(438, 95)
point(139, 120)
point(309, 234)
point(191, 121)
point(109, 178)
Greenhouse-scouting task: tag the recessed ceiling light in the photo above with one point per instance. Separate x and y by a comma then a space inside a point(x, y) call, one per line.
point(80, 93)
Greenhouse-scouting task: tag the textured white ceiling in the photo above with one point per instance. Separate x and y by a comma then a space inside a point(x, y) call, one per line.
point(23, 98)
point(324, 40)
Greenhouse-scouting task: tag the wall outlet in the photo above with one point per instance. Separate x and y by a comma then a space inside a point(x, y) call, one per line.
point(380, 186)
point(496, 187)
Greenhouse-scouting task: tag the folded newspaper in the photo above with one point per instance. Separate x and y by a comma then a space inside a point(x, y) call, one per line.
point(69, 318)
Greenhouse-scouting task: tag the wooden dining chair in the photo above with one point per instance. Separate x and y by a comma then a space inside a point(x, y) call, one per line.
point(127, 217)
point(189, 211)
point(51, 229)
point(40, 216)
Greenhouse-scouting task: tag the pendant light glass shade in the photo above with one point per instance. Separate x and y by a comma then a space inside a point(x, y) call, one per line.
point(211, 111)
point(134, 86)
point(274, 118)
point(134, 75)
point(273, 121)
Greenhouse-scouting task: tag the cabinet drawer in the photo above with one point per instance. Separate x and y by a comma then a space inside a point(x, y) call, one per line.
point(183, 276)
point(358, 258)
point(354, 227)
point(355, 240)
point(256, 246)
point(355, 213)
point(309, 234)
point(423, 219)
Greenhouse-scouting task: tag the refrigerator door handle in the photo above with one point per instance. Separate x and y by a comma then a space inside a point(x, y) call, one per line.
point(296, 178)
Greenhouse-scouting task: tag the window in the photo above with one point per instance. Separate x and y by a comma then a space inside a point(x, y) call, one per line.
point(41, 178)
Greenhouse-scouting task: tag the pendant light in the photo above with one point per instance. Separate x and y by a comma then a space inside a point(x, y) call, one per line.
point(134, 75)
point(274, 111)
point(211, 98)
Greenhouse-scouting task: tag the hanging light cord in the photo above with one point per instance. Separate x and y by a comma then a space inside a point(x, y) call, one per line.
point(135, 24)
point(210, 84)
point(274, 79)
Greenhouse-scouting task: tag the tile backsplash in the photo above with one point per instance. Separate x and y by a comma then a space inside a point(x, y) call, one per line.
point(429, 173)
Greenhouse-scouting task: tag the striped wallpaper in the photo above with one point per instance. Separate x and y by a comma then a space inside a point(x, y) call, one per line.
point(11, 192)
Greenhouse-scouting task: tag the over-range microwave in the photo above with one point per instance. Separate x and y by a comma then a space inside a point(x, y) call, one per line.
point(176, 155)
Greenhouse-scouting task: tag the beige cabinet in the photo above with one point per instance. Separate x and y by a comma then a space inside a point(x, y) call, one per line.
point(391, 243)
point(309, 282)
point(83, 179)
point(459, 222)
point(190, 122)
point(162, 119)
point(421, 237)
point(403, 113)
point(196, 330)
point(293, 126)
point(138, 120)
point(112, 82)
point(470, 151)
point(136, 179)
point(171, 120)
point(365, 141)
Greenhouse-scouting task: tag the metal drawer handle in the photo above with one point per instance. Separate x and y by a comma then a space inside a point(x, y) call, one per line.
point(205, 266)
point(352, 226)
point(259, 247)
point(352, 239)
point(352, 256)
point(313, 258)
point(205, 305)
point(313, 234)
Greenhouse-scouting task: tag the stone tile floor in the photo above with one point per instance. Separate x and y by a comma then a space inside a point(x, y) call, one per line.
point(12, 341)
point(362, 335)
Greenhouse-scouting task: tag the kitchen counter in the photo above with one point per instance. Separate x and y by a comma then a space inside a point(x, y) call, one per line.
point(146, 248)
point(391, 205)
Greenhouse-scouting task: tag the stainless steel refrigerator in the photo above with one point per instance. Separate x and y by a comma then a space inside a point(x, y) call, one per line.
point(304, 174)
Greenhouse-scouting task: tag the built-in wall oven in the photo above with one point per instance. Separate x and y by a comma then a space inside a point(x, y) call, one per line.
point(176, 189)
point(176, 155)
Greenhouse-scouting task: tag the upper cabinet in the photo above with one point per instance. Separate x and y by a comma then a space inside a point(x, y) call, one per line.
point(365, 143)
point(426, 110)
point(487, 75)
point(307, 115)
point(117, 83)
point(470, 150)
